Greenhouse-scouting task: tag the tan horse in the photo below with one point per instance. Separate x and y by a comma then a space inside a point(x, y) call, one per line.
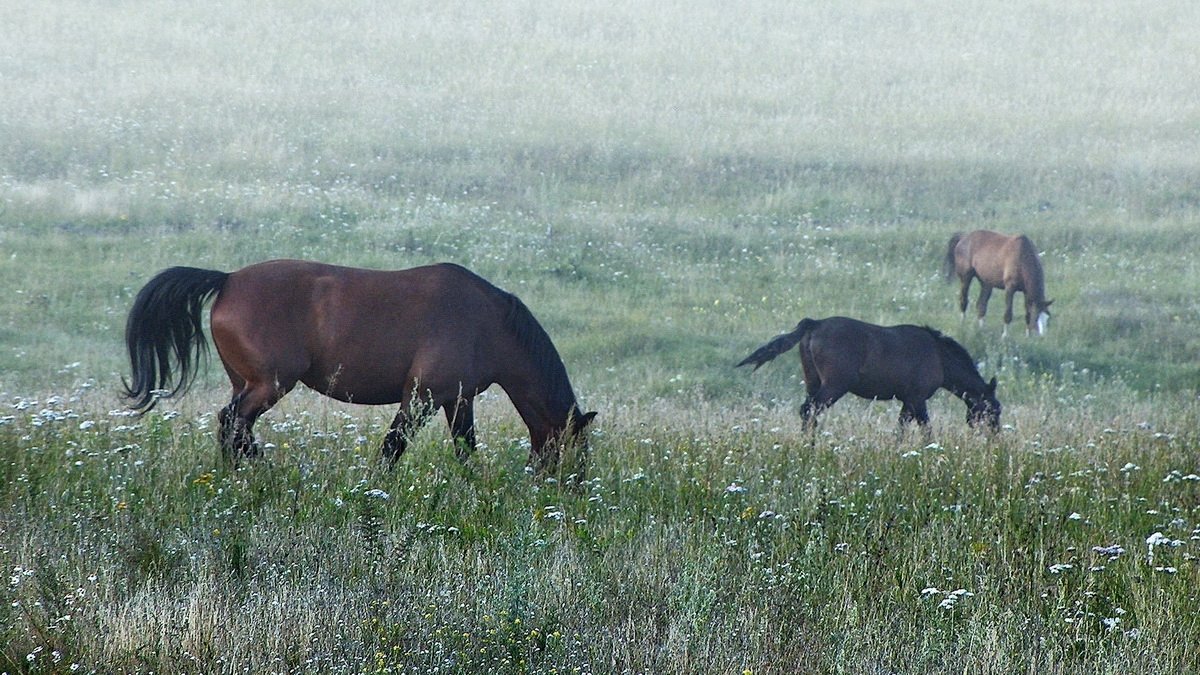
point(425, 338)
point(1000, 261)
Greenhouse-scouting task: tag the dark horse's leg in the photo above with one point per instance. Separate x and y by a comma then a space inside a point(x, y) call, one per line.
point(817, 402)
point(917, 412)
point(460, 415)
point(812, 387)
point(808, 414)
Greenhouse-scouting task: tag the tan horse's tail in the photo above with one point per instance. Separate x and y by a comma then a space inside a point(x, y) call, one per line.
point(948, 262)
point(778, 345)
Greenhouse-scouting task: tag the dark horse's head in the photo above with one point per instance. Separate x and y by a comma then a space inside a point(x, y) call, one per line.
point(983, 408)
point(575, 431)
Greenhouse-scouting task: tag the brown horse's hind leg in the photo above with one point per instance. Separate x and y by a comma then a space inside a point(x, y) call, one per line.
point(460, 415)
point(236, 420)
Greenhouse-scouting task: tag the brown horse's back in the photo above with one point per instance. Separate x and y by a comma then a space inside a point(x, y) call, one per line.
point(427, 338)
point(357, 335)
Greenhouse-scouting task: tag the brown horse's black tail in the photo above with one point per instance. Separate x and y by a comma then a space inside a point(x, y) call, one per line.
point(778, 345)
point(165, 320)
point(948, 262)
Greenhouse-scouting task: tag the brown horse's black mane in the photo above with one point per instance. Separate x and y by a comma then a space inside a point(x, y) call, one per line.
point(534, 339)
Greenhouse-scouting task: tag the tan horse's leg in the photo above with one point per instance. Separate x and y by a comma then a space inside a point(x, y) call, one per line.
point(985, 294)
point(1009, 292)
point(963, 292)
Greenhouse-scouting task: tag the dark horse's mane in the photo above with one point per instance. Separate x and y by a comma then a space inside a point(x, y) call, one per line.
point(954, 351)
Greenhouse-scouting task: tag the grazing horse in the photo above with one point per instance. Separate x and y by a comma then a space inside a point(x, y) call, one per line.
point(1000, 261)
point(910, 363)
point(426, 338)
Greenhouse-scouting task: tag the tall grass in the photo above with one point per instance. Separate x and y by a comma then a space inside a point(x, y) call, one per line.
point(701, 540)
point(666, 188)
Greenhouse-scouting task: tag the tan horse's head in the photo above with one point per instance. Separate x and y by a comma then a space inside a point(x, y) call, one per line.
point(1037, 316)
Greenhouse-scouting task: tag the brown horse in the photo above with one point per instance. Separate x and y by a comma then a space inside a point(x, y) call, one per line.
point(909, 363)
point(1000, 261)
point(426, 338)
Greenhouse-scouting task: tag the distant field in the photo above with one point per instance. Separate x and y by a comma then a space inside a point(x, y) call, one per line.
point(666, 189)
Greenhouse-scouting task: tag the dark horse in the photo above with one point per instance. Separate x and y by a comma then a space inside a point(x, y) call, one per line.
point(1000, 261)
point(909, 363)
point(426, 338)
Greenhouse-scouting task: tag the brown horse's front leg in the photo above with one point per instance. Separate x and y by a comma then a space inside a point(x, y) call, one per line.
point(395, 441)
point(412, 414)
point(460, 415)
point(918, 413)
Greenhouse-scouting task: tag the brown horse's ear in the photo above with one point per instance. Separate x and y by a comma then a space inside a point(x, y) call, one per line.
point(991, 387)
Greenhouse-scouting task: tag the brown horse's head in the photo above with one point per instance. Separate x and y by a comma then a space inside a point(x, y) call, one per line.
point(1037, 316)
point(571, 439)
point(983, 408)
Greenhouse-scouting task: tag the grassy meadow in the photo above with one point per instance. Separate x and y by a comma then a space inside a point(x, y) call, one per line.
point(666, 187)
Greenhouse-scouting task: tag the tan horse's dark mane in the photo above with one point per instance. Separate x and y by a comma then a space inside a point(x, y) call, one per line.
point(1031, 269)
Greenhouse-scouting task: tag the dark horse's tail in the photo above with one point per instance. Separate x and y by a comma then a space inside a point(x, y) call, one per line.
point(165, 320)
point(948, 262)
point(778, 345)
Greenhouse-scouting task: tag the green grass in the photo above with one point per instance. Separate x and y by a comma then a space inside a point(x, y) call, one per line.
point(666, 189)
point(711, 542)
